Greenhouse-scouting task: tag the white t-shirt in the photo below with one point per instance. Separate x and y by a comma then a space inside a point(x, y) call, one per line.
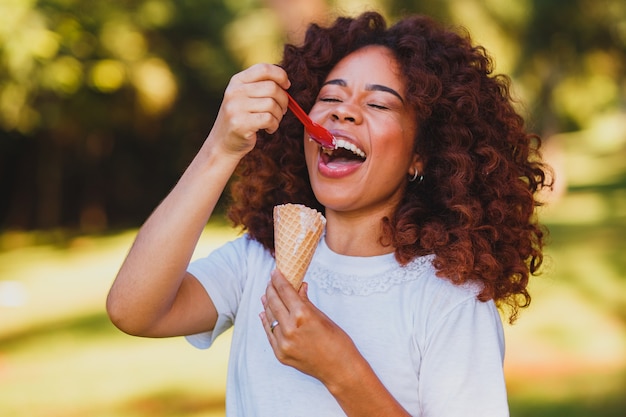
point(436, 348)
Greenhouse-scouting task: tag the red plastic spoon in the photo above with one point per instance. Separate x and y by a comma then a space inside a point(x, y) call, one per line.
point(317, 132)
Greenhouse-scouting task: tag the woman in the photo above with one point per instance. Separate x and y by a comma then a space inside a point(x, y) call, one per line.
point(429, 201)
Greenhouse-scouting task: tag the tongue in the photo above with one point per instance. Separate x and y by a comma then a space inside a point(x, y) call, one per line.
point(338, 166)
point(338, 161)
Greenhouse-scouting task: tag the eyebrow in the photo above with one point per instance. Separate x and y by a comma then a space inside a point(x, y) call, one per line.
point(368, 87)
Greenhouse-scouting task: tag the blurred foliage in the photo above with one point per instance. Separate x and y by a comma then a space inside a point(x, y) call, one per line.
point(103, 103)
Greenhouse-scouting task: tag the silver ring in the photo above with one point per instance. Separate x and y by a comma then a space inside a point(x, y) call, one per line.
point(273, 325)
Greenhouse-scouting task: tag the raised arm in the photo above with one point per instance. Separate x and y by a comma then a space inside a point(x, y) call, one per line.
point(153, 295)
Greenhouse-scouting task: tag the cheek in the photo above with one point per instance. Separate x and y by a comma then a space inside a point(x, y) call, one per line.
point(317, 114)
point(311, 150)
point(394, 140)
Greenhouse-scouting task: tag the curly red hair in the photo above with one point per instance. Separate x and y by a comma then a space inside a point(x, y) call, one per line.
point(475, 208)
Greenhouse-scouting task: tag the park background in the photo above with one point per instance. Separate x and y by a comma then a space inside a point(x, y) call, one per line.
point(104, 102)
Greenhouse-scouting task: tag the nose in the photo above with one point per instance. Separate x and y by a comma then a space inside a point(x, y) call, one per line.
point(346, 112)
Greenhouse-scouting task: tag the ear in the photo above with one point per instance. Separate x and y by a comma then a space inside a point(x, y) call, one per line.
point(417, 163)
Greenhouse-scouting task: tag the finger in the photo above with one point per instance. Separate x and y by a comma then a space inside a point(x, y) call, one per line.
point(265, 102)
point(285, 290)
point(261, 96)
point(259, 72)
point(267, 111)
point(268, 325)
point(266, 314)
point(265, 80)
point(268, 121)
point(246, 116)
point(267, 96)
point(263, 88)
point(275, 307)
point(303, 292)
point(273, 90)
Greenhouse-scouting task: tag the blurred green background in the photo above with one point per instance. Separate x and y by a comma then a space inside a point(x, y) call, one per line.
point(103, 103)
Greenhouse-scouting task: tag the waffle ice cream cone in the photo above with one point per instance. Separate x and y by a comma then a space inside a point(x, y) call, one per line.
point(297, 231)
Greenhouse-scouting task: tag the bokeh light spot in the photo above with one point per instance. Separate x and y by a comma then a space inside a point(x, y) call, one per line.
point(107, 75)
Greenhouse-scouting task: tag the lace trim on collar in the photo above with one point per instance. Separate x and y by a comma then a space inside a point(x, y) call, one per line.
point(333, 282)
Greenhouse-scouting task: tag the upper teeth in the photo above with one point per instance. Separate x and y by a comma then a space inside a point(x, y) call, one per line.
point(349, 146)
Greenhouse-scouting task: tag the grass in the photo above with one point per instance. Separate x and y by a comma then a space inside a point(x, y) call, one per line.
point(60, 356)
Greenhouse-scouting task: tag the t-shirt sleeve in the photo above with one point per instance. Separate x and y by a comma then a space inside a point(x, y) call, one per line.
point(222, 274)
point(461, 372)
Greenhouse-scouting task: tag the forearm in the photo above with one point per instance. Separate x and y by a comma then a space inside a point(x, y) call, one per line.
point(150, 276)
point(359, 392)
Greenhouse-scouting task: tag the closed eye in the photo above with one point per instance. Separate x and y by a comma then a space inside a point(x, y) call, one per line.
point(336, 100)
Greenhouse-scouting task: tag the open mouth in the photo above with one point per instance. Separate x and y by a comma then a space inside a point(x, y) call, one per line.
point(345, 152)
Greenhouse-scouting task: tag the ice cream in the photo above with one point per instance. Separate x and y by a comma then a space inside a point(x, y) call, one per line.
point(297, 231)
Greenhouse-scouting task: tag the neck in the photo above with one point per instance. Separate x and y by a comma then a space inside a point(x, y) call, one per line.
point(354, 235)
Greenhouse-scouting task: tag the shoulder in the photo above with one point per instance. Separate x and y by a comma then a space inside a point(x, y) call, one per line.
point(441, 300)
point(437, 301)
point(236, 253)
point(443, 292)
point(243, 244)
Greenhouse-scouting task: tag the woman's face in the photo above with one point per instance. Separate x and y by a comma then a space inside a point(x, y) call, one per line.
point(362, 103)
